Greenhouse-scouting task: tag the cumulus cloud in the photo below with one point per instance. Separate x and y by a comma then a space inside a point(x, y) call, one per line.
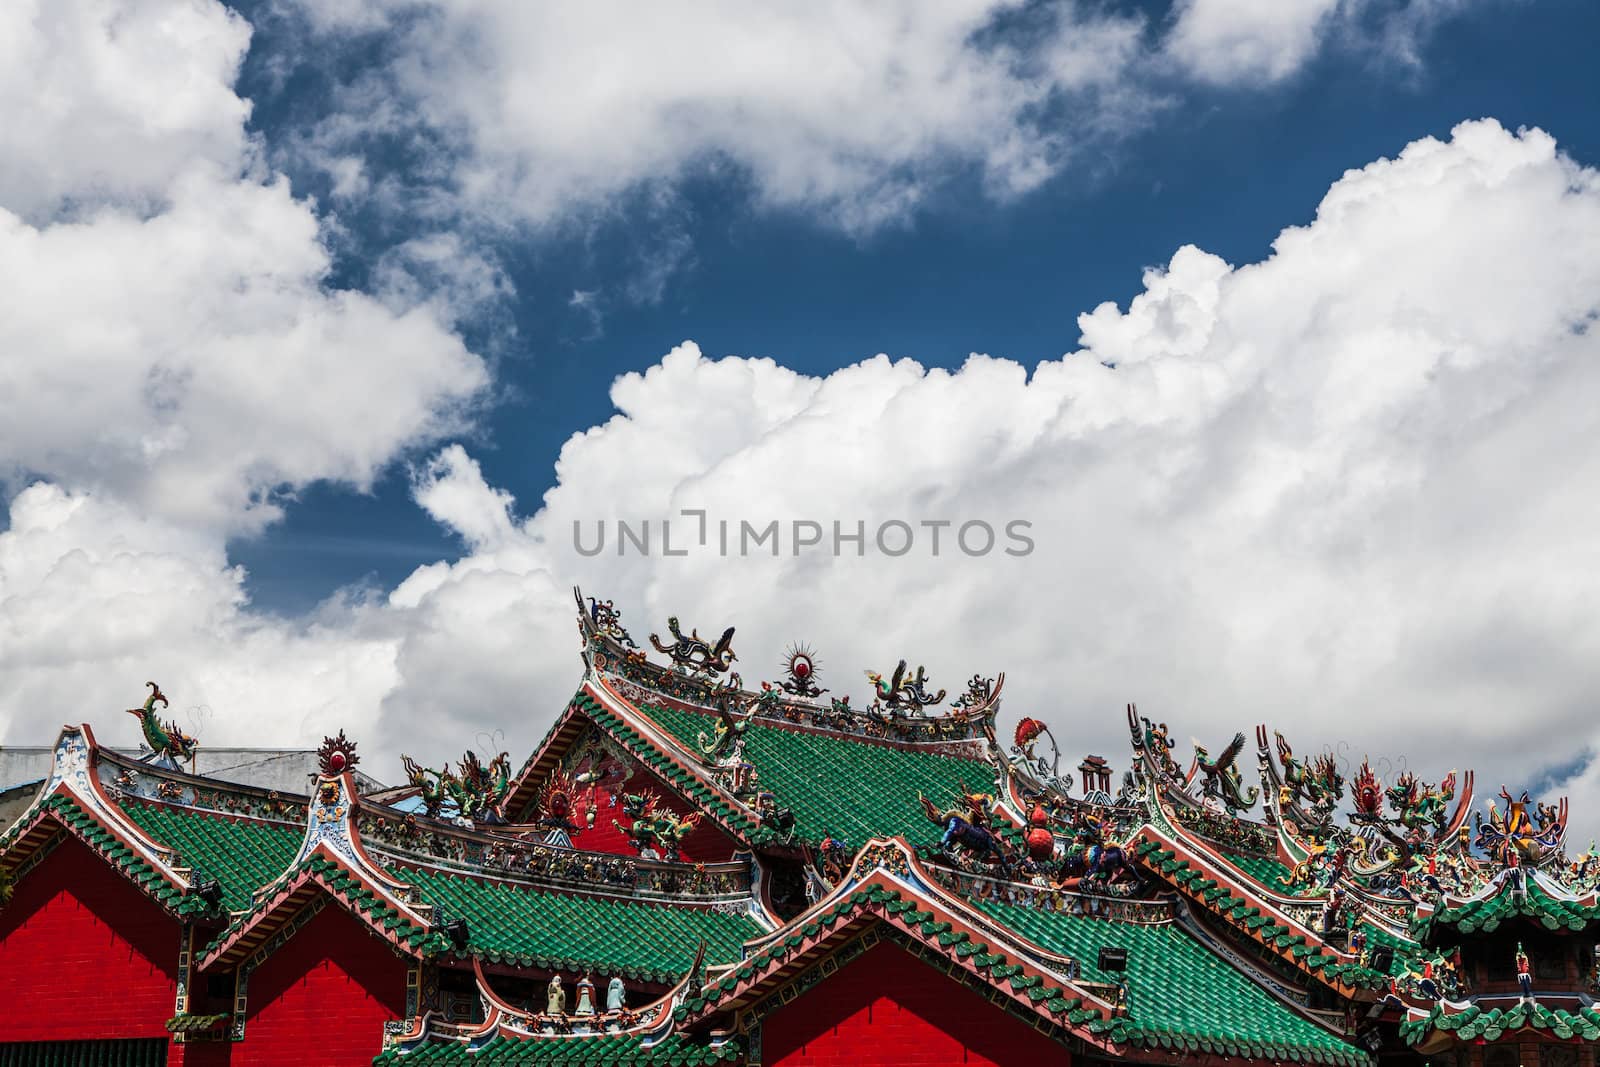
point(1347, 490)
point(174, 362)
point(110, 99)
point(172, 340)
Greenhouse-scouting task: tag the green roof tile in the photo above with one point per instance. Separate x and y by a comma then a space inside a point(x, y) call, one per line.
point(814, 775)
point(241, 854)
point(540, 927)
point(1176, 986)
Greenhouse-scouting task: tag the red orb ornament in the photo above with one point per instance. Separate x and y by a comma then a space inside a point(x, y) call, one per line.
point(801, 667)
point(336, 762)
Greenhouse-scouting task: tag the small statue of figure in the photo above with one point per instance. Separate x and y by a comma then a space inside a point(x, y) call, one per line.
point(1333, 911)
point(616, 995)
point(1358, 945)
point(1524, 977)
point(555, 997)
point(1516, 877)
point(585, 997)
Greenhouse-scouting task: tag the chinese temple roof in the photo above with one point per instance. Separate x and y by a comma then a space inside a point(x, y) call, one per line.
point(1543, 902)
point(713, 845)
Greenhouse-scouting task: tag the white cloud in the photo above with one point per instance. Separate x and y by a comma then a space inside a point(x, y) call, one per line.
point(106, 98)
point(1248, 40)
point(851, 111)
point(1348, 490)
point(1260, 42)
point(95, 598)
point(854, 114)
point(172, 339)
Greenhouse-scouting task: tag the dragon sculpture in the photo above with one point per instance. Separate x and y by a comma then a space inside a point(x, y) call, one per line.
point(725, 745)
point(431, 785)
point(1419, 806)
point(1418, 812)
point(479, 790)
point(168, 745)
point(606, 619)
point(900, 694)
point(969, 826)
point(658, 829)
point(1221, 776)
point(1317, 784)
point(476, 790)
point(693, 654)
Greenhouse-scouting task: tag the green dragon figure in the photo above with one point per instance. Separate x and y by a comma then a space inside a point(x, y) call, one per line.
point(1318, 783)
point(659, 830)
point(168, 744)
point(725, 746)
point(479, 791)
point(1222, 777)
point(1419, 806)
point(431, 785)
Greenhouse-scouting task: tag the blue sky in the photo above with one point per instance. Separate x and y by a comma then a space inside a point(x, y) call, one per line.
point(1225, 169)
point(308, 299)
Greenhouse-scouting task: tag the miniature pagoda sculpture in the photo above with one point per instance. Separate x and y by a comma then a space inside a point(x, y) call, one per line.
point(168, 745)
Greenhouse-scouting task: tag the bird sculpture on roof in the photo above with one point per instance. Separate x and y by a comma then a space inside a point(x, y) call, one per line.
point(1222, 780)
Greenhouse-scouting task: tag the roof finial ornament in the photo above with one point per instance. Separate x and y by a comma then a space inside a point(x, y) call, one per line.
point(900, 694)
point(800, 664)
point(168, 744)
point(337, 755)
point(692, 654)
point(1222, 781)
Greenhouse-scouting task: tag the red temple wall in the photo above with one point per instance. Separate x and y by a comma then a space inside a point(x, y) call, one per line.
point(83, 954)
point(323, 996)
point(886, 1007)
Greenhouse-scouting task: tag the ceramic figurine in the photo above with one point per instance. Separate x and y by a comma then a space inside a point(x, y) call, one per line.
point(555, 997)
point(585, 997)
point(616, 995)
point(1524, 976)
